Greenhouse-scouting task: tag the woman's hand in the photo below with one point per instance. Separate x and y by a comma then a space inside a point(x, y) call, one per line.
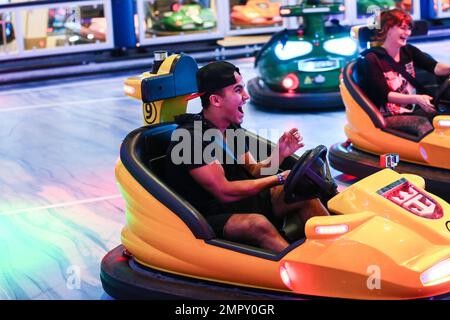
point(424, 101)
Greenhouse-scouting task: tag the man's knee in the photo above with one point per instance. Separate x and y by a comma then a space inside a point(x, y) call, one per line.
point(252, 224)
point(260, 225)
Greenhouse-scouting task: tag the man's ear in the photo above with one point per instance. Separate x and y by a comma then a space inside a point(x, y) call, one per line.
point(215, 99)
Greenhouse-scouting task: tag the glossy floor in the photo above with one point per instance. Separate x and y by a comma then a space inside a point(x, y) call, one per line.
point(60, 209)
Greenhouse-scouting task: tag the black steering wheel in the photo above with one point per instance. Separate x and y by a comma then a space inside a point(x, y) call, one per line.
point(442, 98)
point(310, 178)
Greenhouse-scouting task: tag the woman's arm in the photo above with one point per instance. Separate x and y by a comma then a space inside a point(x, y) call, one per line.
point(427, 62)
point(423, 100)
point(442, 69)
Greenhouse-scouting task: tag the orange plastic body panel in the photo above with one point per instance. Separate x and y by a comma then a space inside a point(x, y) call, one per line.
point(372, 248)
point(162, 110)
point(433, 150)
point(381, 236)
point(158, 238)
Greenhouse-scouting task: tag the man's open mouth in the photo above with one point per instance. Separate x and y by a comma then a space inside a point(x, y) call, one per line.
point(240, 110)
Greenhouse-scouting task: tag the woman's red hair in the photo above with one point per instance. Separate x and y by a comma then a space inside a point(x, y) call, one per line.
point(391, 18)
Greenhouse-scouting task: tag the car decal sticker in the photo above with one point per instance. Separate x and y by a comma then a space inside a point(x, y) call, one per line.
point(409, 197)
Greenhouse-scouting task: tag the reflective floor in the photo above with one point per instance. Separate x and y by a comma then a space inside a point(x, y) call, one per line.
point(60, 208)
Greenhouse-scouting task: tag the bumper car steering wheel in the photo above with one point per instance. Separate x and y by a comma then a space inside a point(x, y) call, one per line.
point(310, 178)
point(442, 97)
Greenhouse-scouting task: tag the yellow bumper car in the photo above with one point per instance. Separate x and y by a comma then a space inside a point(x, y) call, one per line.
point(256, 13)
point(376, 245)
point(369, 137)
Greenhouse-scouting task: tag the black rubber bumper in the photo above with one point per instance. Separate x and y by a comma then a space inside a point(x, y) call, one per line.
point(347, 159)
point(263, 96)
point(123, 278)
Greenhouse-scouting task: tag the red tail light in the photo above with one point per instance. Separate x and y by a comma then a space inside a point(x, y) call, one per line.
point(175, 7)
point(290, 82)
point(285, 276)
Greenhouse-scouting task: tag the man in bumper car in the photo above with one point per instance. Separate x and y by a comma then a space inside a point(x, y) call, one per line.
point(389, 77)
point(209, 163)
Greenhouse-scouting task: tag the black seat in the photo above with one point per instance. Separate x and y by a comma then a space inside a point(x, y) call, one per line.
point(155, 144)
point(353, 77)
point(143, 155)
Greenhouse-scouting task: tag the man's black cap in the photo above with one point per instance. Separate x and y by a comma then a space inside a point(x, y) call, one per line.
point(214, 76)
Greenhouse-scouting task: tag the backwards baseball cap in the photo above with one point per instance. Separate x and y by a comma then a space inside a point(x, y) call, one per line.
point(214, 76)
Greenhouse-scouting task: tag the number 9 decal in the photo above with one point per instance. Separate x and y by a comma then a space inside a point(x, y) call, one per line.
point(149, 112)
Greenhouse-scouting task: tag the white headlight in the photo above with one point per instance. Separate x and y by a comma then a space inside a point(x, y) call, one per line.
point(444, 123)
point(332, 229)
point(292, 49)
point(439, 273)
point(74, 38)
point(129, 90)
point(252, 15)
point(423, 153)
point(341, 46)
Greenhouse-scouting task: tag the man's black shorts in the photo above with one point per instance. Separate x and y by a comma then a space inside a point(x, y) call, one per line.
point(260, 203)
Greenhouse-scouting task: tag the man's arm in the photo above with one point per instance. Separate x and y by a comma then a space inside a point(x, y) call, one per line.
point(255, 167)
point(212, 178)
point(288, 143)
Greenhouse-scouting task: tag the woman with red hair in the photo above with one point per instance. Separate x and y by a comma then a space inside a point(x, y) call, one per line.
point(389, 70)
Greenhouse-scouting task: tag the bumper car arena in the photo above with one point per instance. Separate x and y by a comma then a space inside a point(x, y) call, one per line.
point(89, 91)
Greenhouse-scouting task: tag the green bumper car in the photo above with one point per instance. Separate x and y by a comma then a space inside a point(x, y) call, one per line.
point(188, 17)
point(300, 69)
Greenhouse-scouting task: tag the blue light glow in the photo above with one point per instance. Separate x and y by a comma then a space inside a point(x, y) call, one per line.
point(341, 46)
point(292, 49)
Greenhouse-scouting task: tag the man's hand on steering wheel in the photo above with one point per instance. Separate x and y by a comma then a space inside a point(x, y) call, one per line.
point(289, 143)
point(284, 175)
point(310, 178)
